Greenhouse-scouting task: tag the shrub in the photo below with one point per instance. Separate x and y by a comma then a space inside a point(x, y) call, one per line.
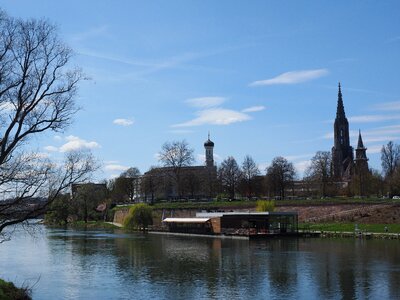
point(9, 291)
point(265, 205)
point(140, 216)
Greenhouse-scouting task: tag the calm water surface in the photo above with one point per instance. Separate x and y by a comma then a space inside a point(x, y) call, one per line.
point(71, 264)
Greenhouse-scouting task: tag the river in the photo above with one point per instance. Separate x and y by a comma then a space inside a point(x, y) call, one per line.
point(111, 264)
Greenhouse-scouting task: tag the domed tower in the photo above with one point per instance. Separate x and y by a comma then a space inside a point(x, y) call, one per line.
point(209, 147)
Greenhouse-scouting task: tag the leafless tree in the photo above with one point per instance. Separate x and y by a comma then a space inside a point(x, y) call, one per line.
point(229, 175)
point(129, 183)
point(280, 175)
point(250, 171)
point(320, 170)
point(390, 159)
point(175, 156)
point(37, 90)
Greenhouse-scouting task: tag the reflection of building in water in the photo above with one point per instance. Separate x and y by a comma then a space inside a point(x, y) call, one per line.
point(236, 223)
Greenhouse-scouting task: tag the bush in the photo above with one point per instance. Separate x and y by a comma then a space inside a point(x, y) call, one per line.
point(9, 291)
point(265, 205)
point(140, 216)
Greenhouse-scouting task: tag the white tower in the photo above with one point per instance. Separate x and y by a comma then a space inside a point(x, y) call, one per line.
point(209, 146)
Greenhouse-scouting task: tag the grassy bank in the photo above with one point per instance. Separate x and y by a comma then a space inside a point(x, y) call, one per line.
point(252, 203)
point(350, 227)
point(89, 224)
point(9, 291)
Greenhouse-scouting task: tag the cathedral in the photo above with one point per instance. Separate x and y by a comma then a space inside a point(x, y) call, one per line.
point(344, 166)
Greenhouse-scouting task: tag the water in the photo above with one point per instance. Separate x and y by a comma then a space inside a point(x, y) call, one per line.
point(70, 264)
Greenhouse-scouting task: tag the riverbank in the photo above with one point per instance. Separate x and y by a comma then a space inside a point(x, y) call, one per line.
point(9, 291)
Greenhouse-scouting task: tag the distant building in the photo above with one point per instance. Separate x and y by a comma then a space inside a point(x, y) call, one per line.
point(343, 164)
point(197, 182)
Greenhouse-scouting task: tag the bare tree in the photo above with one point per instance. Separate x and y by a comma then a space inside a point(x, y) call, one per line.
point(130, 182)
point(390, 159)
point(37, 89)
point(280, 175)
point(176, 155)
point(320, 170)
point(250, 171)
point(36, 182)
point(229, 175)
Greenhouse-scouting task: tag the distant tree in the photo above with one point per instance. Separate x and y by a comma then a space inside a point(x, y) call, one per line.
point(320, 170)
point(59, 210)
point(86, 199)
point(390, 159)
point(176, 155)
point(280, 175)
point(140, 217)
point(249, 171)
point(229, 175)
point(149, 184)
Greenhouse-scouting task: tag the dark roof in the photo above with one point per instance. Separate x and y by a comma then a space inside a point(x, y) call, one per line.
point(209, 143)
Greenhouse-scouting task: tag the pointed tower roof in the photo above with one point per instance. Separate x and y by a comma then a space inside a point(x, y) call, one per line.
point(340, 114)
point(360, 144)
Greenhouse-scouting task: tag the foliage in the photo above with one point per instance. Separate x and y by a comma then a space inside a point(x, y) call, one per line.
point(9, 291)
point(59, 210)
point(390, 159)
point(86, 198)
point(140, 216)
point(265, 205)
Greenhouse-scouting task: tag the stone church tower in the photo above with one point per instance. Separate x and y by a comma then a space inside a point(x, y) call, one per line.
point(342, 152)
point(361, 161)
point(209, 147)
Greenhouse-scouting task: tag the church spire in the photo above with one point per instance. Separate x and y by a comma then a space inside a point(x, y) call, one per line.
point(360, 144)
point(340, 114)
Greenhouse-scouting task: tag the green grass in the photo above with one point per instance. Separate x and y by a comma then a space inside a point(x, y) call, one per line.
point(9, 291)
point(350, 227)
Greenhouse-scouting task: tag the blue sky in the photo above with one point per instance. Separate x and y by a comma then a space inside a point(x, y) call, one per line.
point(261, 76)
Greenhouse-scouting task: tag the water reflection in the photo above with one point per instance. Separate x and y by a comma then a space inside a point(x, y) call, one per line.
point(116, 265)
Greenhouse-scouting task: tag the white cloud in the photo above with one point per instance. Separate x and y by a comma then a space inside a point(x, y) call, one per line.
point(51, 149)
point(373, 118)
point(253, 109)
point(76, 143)
point(205, 102)
point(215, 116)
point(302, 166)
point(7, 106)
point(115, 167)
point(57, 138)
point(299, 156)
point(292, 77)
point(123, 122)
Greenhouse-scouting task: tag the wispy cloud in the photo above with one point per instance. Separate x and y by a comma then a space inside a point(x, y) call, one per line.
point(292, 77)
point(388, 106)
point(115, 167)
point(76, 143)
point(123, 122)
point(298, 156)
point(94, 32)
point(205, 102)
point(215, 116)
point(301, 166)
point(253, 109)
point(51, 148)
point(373, 118)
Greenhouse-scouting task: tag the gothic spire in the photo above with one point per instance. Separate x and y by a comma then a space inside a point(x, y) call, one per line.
point(340, 114)
point(360, 144)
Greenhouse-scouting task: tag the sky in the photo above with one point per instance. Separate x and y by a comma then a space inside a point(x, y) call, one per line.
point(260, 76)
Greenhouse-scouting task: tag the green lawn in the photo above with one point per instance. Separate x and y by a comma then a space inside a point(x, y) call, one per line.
point(350, 227)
